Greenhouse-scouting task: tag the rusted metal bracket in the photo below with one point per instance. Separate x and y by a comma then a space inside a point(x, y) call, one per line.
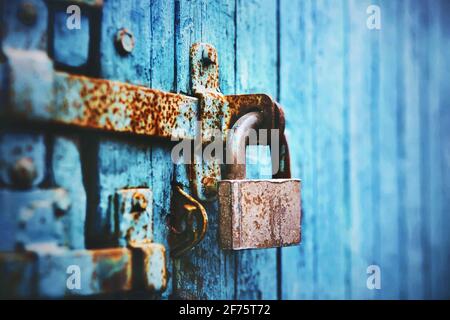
point(133, 214)
point(213, 114)
point(34, 263)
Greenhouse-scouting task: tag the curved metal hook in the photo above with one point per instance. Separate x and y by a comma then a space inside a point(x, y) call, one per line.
point(188, 223)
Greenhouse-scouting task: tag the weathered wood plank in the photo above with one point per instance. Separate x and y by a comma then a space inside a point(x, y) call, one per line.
point(428, 83)
point(364, 95)
point(162, 15)
point(135, 17)
point(388, 200)
point(66, 171)
point(439, 144)
point(162, 45)
point(410, 158)
point(256, 71)
point(207, 272)
point(296, 74)
point(161, 179)
point(328, 146)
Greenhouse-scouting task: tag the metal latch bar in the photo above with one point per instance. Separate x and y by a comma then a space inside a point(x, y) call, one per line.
point(36, 92)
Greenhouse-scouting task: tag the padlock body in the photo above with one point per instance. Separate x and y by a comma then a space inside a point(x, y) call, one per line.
point(259, 213)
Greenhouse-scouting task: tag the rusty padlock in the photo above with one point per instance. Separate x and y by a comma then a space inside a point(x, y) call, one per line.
point(257, 213)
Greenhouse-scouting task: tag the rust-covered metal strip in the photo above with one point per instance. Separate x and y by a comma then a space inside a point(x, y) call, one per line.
point(36, 92)
point(53, 273)
point(121, 107)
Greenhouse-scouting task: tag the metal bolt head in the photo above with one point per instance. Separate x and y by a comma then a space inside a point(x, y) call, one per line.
point(208, 57)
point(27, 13)
point(23, 173)
point(124, 41)
point(139, 202)
point(62, 202)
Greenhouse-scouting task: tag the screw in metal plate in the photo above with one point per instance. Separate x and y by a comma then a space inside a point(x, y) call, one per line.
point(207, 57)
point(124, 41)
point(23, 173)
point(139, 202)
point(27, 13)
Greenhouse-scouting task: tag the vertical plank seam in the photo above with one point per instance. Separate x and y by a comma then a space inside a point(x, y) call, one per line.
point(176, 34)
point(401, 154)
point(346, 149)
point(375, 147)
point(236, 257)
point(314, 147)
point(278, 90)
point(444, 134)
point(176, 20)
point(151, 47)
point(425, 151)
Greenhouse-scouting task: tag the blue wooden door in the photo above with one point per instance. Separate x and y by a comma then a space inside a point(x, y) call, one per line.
point(368, 123)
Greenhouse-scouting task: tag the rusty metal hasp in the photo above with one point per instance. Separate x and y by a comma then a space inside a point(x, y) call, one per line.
point(37, 93)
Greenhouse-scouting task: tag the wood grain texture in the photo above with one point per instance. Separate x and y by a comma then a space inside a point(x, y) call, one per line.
point(66, 172)
point(256, 71)
point(439, 142)
point(363, 84)
point(411, 158)
point(298, 264)
point(162, 15)
point(328, 145)
point(135, 17)
point(207, 272)
point(392, 172)
point(388, 252)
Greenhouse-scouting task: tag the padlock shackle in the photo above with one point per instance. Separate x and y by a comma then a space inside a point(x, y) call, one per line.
point(237, 142)
point(239, 139)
